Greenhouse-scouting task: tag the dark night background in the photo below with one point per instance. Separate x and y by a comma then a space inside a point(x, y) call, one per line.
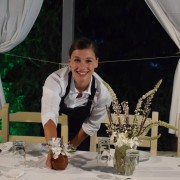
point(128, 35)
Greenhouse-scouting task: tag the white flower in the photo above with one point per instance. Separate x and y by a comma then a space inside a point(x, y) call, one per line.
point(122, 139)
point(122, 131)
point(56, 147)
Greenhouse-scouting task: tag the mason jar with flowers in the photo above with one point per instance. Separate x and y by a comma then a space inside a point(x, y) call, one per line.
point(128, 133)
point(58, 151)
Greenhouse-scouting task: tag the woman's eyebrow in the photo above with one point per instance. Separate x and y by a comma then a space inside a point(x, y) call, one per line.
point(89, 58)
point(76, 57)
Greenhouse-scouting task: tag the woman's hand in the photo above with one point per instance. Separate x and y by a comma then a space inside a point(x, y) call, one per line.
point(49, 131)
point(48, 161)
point(78, 139)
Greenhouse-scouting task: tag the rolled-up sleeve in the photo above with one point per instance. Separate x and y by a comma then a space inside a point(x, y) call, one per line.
point(98, 113)
point(51, 99)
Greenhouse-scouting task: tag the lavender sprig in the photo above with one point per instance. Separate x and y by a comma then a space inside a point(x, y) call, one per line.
point(115, 104)
point(121, 129)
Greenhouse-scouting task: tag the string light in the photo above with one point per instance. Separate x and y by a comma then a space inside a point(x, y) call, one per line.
point(139, 59)
point(102, 62)
point(35, 59)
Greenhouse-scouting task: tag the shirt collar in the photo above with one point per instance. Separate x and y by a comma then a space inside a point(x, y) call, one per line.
point(74, 90)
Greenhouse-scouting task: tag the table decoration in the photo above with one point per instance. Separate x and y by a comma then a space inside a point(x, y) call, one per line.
point(131, 161)
point(128, 135)
point(103, 156)
point(19, 148)
point(19, 154)
point(59, 158)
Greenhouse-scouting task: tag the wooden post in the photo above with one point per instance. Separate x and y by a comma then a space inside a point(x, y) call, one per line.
point(67, 28)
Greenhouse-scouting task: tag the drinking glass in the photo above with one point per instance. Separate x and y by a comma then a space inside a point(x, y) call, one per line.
point(103, 156)
point(19, 154)
point(131, 161)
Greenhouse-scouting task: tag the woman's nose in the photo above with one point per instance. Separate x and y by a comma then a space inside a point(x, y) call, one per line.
point(82, 64)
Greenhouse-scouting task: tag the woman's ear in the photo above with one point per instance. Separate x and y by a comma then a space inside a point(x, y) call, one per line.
point(97, 62)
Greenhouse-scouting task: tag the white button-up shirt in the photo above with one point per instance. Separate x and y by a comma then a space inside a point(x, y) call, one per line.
point(55, 88)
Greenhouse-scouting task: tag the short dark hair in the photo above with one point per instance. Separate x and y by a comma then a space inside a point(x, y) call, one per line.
point(83, 43)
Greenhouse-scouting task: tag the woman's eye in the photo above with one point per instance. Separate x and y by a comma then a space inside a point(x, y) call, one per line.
point(77, 60)
point(88, 61)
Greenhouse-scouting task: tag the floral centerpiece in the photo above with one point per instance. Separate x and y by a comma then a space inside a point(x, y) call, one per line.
point(126, 134)
point(58, 151)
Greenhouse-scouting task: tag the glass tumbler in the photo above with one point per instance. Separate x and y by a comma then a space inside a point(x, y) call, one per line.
point(19, 154)
point(103, 156)
point(131, 161)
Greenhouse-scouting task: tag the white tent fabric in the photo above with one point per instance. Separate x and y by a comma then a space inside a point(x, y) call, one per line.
point(16, 20)
point(168, 14)
point(175, 102)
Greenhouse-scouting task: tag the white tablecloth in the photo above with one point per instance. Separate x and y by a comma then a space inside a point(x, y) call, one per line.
point(83, 166)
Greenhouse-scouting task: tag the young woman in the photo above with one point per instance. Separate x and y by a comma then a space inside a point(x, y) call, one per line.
point(78, 92)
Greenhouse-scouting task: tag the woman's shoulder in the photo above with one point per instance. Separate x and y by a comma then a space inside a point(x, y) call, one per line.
point(60, 74)
point(57, 78)
point(102, 91)
point(99, 81)
point(97, 77)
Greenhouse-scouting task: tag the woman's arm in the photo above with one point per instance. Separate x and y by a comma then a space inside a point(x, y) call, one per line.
point(79, 138)
point(50, 130)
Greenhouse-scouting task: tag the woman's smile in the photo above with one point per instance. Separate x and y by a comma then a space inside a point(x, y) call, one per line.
point(82, 63)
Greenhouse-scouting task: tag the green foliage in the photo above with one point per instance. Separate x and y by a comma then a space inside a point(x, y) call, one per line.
point(24, 69)
point(30, 129)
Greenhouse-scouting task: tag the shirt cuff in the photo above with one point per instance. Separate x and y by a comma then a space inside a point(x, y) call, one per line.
point(46, 118)
point(89, 130)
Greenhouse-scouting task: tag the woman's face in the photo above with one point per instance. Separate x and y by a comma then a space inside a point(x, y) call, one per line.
point(82, 63)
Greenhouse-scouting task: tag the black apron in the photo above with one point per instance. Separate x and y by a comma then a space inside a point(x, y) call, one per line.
point(77, 115)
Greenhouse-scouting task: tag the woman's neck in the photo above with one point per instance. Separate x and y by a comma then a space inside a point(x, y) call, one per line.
point(81, 87)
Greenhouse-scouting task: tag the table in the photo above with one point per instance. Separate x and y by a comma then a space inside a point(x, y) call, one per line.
point(83, 166)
